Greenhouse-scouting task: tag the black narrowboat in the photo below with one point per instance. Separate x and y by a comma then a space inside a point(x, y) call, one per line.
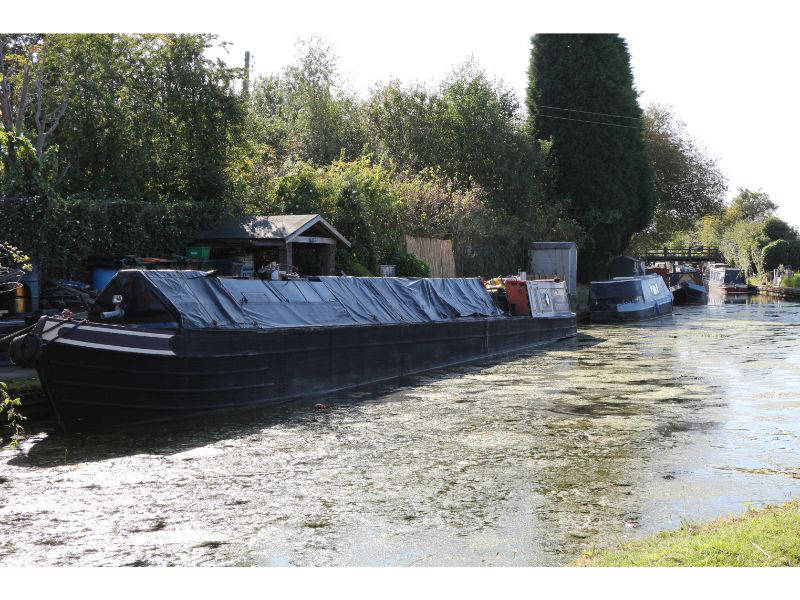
point(629, 299)
point(687, 288)
point(161, 345)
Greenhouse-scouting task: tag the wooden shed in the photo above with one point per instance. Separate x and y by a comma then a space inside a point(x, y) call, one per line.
point(284, 235)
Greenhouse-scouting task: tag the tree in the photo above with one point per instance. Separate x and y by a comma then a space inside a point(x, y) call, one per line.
point(25, 91)
point(148, 116)
point(688, 182)
point(469, 129)
point(744, 229)
point(750, 206)
point(581, 96)
point(306, 113)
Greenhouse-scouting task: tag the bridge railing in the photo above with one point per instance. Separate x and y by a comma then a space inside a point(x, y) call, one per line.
point(691, 253)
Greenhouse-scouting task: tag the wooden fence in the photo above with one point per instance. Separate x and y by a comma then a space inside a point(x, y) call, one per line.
point(436, 253)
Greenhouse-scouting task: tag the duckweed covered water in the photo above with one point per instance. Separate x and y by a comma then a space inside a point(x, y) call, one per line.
point(619, 433)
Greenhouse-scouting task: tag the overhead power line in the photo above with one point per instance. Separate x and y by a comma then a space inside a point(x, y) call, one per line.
point(588, 112)
point(586, 121)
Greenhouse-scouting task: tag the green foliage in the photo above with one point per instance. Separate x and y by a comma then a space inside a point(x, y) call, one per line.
point(10, 406)
point(358, 198)
point(487, 241)
point(156, 143)
point(750, 206)
point(468, 130)
point(741, 245)
point(59, 236)
point(346, 262)
point(688, 182)
point(792, 281)
point(19, 167)
point(305, 113)
point(774, 228)
point(745, 232)
point(602, 168)
point(781, 253)
point(374, 206)
point(407, 265)
point(775, 254)
point(148, 116)
point(12, 261)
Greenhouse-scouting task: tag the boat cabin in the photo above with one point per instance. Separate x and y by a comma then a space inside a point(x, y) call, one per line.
point(726, 278)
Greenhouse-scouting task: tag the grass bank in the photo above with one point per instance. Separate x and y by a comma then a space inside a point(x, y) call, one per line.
point(768, 537)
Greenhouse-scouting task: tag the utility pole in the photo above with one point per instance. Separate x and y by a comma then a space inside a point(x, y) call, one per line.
point(246, 80)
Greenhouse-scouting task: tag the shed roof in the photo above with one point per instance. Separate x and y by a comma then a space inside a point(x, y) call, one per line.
point(272, 227)
point(552, 245)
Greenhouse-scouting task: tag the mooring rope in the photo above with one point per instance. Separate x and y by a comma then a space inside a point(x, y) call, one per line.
point(16, 333)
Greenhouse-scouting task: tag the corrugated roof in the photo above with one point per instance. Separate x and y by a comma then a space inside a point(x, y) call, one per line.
point(272, 227)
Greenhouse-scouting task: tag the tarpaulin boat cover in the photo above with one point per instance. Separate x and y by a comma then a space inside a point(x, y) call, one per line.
point(196, 300)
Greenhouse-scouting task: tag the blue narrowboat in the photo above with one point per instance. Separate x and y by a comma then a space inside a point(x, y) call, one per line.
point(629, 299)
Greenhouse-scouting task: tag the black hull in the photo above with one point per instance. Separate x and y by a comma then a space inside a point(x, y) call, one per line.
point(93, 387)
point(687, 295)
point(615, 316)
point(626, 299)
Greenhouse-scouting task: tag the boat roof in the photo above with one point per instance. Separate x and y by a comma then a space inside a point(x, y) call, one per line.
point(629, 278)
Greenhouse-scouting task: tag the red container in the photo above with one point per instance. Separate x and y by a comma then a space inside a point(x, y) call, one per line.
point(517, 293)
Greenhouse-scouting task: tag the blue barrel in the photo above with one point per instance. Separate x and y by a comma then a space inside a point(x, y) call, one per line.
point(101, 276)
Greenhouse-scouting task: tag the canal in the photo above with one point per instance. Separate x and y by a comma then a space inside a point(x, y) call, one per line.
point(617, 434)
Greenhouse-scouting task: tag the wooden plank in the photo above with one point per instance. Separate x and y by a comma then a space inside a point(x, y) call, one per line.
point(309, 239)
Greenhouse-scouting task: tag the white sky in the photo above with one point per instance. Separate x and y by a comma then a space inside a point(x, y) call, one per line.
point(729, 69)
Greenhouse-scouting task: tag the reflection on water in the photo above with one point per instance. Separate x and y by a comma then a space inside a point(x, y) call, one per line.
point(619, 433)
point(717, 298)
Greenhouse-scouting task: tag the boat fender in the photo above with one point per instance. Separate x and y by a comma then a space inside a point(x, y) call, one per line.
point(118, 311)
point(113, 314)
point(24, 350)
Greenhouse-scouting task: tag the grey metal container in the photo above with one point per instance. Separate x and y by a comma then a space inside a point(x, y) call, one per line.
point(549, 260)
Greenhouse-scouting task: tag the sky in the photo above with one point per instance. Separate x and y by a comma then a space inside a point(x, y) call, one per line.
point(727, 69)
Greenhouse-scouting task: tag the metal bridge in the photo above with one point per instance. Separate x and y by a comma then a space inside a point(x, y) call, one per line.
point(691, 254)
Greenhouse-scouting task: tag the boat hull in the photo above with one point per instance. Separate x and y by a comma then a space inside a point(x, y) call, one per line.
point(689, 294)
point(729, 289)
point(649, 311)
point(97, 376)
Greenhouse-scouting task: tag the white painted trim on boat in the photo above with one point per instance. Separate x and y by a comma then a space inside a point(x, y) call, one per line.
point(114, 348)
point(125, 331)
point(51, 333)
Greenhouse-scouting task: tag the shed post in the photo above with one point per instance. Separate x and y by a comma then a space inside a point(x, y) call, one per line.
point(285, 256)
point(329, 260)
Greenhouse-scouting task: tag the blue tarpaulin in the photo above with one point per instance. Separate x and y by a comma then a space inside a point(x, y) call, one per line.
point(199, 301)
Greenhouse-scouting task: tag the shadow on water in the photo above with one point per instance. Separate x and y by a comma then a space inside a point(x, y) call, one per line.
point(56, 448)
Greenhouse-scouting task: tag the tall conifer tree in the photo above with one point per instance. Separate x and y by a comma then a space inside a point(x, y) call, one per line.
point(581, 95)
